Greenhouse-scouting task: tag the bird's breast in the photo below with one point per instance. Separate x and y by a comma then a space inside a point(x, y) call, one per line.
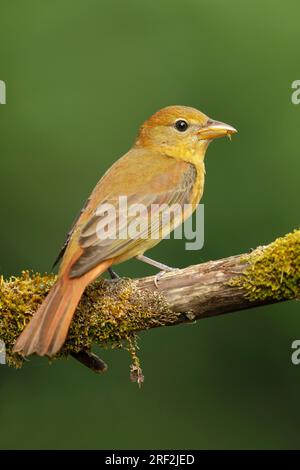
point(198, 186)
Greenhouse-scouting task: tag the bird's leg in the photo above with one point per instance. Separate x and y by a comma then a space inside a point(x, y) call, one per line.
point(113, 274)
point(156, 264)
point(163, 267)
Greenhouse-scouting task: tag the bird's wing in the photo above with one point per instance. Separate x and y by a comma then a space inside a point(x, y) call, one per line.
point(69, 235)
point(163, 189)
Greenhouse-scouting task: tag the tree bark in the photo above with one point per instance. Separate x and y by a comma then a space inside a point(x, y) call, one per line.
point(204, 290)
point(111, 312)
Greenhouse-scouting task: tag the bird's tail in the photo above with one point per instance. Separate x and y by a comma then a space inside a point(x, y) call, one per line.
point(47, 330)
point(49, 326)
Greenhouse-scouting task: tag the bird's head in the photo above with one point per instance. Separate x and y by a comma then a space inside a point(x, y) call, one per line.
point(181, 132)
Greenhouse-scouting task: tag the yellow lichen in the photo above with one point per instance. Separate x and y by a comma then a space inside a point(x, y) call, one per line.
point(19, 299)
point(273, 272)
point(109, 314)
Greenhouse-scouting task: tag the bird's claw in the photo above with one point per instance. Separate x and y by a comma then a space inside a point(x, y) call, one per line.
point(161, 274)
point(158, 277)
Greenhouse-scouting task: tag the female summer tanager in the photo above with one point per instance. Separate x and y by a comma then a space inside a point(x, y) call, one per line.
point(165, 166)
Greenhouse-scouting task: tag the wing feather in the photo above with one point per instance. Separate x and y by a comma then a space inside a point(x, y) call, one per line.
point(115, 242)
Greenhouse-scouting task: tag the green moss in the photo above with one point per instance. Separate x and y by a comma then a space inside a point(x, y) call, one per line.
point(273, 272)
point(19, 299)
point(109, 314)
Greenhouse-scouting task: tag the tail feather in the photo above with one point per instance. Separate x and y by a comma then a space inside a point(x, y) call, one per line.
point(48, 328)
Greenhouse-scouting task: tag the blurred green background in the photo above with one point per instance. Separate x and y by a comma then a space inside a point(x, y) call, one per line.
point(81, 76)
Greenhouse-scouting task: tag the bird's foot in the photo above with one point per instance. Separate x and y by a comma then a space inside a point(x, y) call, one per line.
point(162, 273)
point(163, 267)
point(113, 274)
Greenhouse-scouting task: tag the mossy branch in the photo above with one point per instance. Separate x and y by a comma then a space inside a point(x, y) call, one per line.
point(112, 312)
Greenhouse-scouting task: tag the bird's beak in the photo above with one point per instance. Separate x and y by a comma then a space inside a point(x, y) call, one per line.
point(215, 129)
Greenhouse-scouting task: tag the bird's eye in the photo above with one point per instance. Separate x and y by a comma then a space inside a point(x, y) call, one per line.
point(181, 125)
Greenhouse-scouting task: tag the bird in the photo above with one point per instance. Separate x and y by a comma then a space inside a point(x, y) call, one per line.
point(165, 166)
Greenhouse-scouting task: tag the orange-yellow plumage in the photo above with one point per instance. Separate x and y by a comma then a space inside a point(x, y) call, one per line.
point(165, 166)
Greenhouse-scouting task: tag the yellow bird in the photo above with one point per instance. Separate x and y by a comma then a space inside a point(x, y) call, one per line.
point(164, 167)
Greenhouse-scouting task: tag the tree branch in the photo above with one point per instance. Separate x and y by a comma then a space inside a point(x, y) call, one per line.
point(111, 312)
point(205, 290)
